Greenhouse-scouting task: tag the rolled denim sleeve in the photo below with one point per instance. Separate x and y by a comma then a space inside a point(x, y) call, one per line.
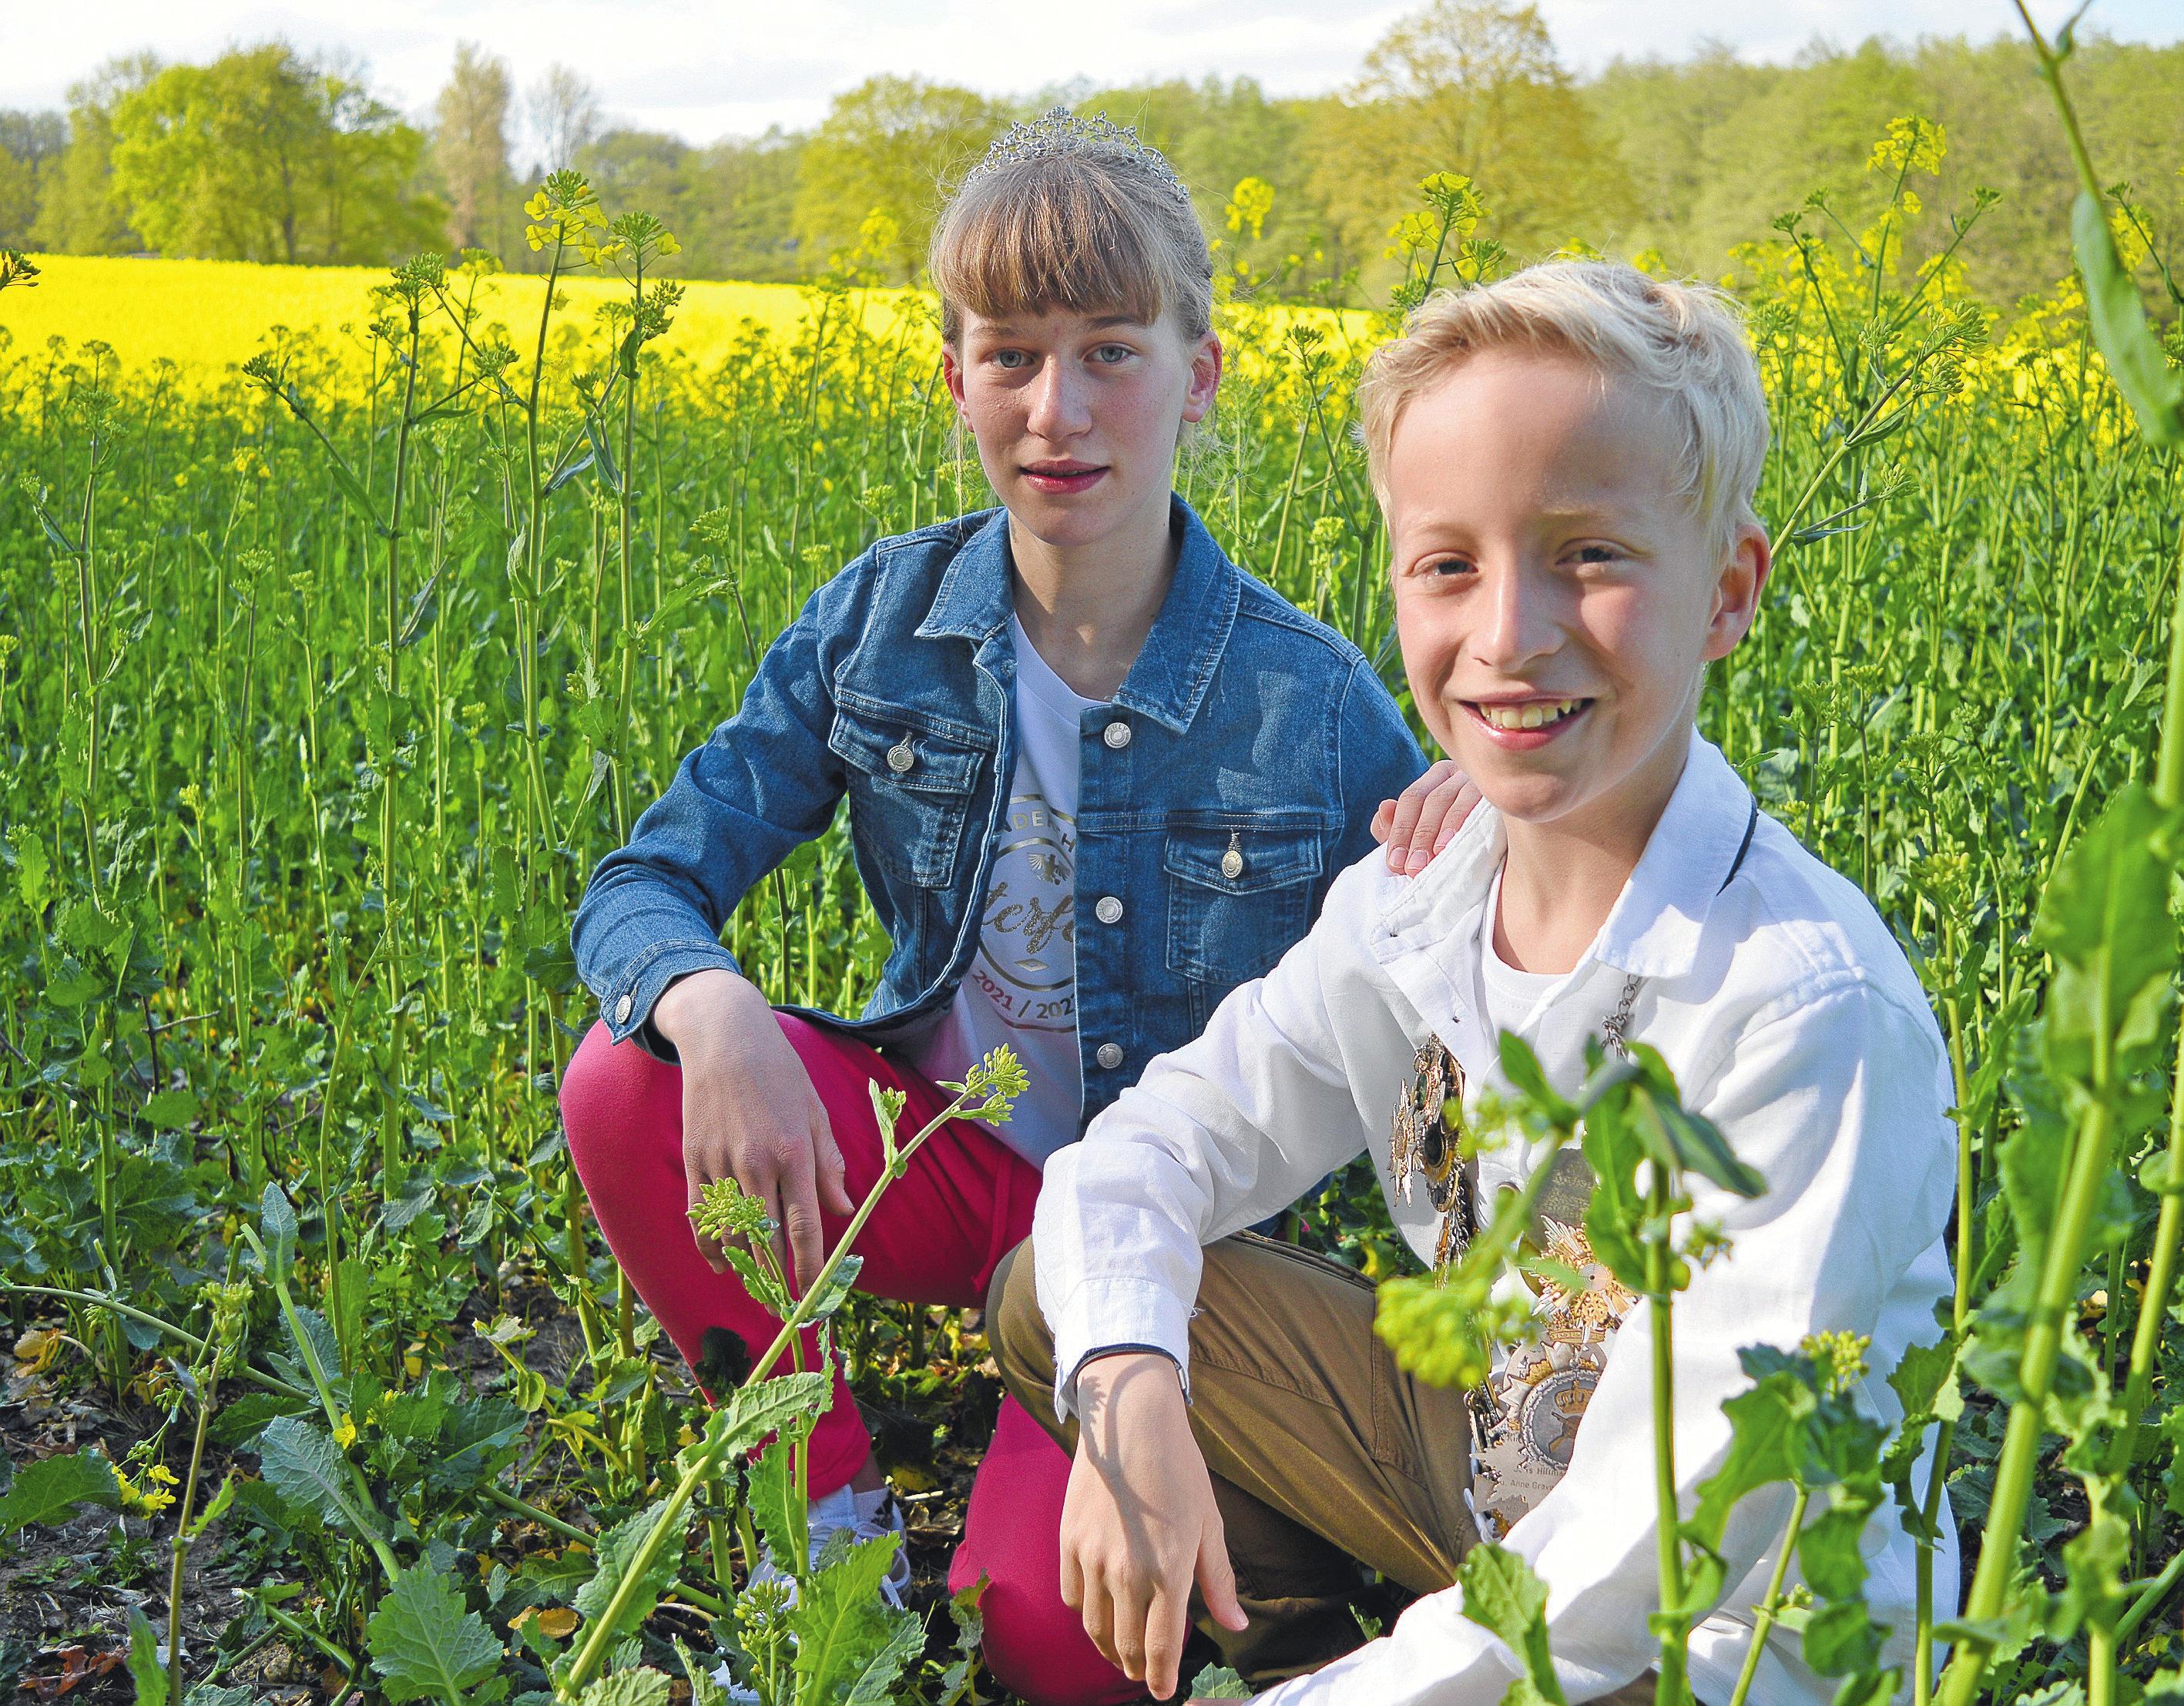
point(1379, 758)
point(763, 782)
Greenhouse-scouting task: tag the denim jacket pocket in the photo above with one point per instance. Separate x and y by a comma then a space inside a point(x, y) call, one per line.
point(1238, 894)
point(910, 790)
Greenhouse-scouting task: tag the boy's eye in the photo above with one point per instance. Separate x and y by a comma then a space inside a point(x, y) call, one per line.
point(1011, 360)
point(1444, 568)
point(1112, 354)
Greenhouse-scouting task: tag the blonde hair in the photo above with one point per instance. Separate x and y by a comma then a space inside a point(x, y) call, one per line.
point(1073, 214)
point(1680, 344)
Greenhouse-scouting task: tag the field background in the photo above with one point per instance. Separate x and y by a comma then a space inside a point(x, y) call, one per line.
point(330, 661)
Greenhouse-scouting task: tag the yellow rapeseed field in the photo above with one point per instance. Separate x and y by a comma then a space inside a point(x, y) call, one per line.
point(206, 316)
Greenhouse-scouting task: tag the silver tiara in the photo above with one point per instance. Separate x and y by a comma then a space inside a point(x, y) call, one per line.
point(1059, 131)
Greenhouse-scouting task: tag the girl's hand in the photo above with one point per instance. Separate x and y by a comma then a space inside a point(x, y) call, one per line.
point(1415, 828)
point(749, 1113)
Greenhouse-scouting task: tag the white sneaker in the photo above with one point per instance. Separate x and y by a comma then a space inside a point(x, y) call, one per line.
point(866, 1516)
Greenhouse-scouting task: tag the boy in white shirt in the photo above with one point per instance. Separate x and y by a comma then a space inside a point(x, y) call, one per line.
point(1567, 459)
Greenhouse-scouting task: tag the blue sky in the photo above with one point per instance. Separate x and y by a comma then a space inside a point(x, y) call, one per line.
point(708, 68)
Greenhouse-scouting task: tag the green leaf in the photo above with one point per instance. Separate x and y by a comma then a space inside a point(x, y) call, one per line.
point(144, 1667)
point(2104, 916)
point(423, 1642)
point(1696, 1144)
point(1504, 1597)
point(617, 1550)
point(49, 1490)
point(602, 458)
point(778, 1508)
point(1869, 1688)
point(874, 1685)
point(300, 1460)
point(2136, 361)
point(628, 1688)
point(762, 1285)
point(703, 1689)
point(1219, 1682)
point(836, 1292)
point(276, 1221)
point(1843, 1639)
point(839, 1621)
point(1827, 1551)
point(1761, 1422)
point(1521, 1066)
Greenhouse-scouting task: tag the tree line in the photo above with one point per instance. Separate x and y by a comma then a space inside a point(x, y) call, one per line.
point(267, 154)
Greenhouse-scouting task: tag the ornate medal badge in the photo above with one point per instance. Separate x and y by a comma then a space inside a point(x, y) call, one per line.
point(1424, 1144)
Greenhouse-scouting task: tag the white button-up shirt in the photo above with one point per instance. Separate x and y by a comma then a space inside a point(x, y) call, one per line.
point(1790, 1018)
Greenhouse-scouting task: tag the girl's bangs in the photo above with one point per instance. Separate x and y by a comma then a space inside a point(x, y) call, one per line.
point(1024, 249)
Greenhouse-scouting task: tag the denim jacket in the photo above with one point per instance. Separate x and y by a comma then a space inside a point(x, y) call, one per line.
point(1243, 724)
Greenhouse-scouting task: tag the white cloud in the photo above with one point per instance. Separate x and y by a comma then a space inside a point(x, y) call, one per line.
point(708, 68)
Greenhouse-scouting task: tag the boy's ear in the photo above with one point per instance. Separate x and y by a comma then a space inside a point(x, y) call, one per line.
point(1744, 572)
point(951, 370)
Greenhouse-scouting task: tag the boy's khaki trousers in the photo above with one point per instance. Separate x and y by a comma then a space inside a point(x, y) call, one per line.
point(1324, 1455)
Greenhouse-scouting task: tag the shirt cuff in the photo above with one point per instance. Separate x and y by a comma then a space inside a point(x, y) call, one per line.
point(626, 1007)
point(1113, 1315)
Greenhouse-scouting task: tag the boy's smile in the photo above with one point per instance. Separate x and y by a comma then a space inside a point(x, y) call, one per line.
point(1556, 595)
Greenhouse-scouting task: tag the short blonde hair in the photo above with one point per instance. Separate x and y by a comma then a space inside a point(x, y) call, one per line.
point(1073, 214)
point(1681, 343)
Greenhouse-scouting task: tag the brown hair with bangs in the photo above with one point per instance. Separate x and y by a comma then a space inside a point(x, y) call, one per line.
point(1075, 213)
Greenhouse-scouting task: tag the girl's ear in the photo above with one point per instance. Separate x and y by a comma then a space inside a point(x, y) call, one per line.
point(1206, 363)
point(951, 370)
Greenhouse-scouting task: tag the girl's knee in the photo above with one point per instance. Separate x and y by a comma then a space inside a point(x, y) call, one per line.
point(612, 1093)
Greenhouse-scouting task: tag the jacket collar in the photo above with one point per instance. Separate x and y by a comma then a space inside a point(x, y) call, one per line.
point(1654, 928)
point(1174, 668)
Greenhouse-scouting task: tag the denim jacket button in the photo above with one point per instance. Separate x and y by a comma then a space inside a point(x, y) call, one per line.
point(1110, 1055)
point(1109, 909)
point(1117, 736)
point(622, 1010)
point(900, 758)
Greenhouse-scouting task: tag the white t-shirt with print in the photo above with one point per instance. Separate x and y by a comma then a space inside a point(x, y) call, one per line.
point(1535, 1395)
point(1021, 989)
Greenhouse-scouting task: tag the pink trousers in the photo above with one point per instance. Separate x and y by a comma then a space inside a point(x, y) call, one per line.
point(937, 1237)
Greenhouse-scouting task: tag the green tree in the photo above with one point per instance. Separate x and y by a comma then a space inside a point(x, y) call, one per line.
point(886, 147)
point(1471, 86)
point(741, 208)
point(31, 146)
point(77, 212)
point(265, 156)
point(469, 147)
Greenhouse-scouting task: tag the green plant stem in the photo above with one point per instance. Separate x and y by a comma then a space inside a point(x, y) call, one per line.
point(180, 1544)
point(2044, 1337)
point(1764, 1619)
point(706, 1463)
point(1671, 1689)
point(2149, 1598)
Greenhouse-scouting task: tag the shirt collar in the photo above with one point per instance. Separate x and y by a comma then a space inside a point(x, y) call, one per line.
point(1174, 668)
point(1653, 929)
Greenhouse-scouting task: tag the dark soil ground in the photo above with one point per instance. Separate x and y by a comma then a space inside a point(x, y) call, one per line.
point(66, 1592)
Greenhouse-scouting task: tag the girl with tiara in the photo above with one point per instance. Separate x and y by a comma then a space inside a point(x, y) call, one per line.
point(1098, 775)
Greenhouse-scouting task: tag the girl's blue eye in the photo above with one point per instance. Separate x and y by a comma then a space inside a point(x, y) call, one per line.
point(1599, 554)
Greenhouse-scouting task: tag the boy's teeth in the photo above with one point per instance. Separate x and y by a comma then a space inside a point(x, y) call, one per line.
point(1532, 716)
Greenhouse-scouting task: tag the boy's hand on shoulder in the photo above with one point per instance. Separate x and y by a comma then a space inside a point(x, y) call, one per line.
point(1139, 1523)
point(1416, 826)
